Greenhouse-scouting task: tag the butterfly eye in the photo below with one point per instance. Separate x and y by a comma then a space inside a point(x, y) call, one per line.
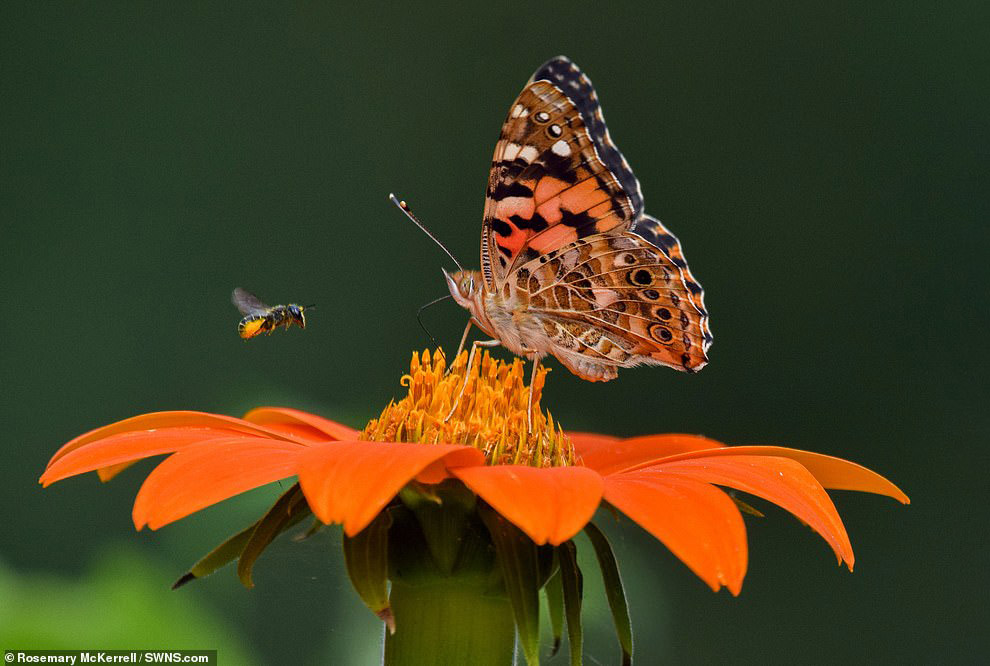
point(466, 286)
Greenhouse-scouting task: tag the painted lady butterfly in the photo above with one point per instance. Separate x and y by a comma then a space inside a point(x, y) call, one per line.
point(571, 265)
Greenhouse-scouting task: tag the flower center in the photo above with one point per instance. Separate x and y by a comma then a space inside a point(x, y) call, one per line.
point(490, 414)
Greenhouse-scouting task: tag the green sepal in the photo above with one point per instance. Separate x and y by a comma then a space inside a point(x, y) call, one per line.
point(289, 509)
point(313, 529)
point(746, 508)
point(573, 584)
point(555, 605)
point(366, 557)
point(519, 562)
point(615, 513)
point(613, 589)
point(223, 554)
point(414, 493)
point(443, 512)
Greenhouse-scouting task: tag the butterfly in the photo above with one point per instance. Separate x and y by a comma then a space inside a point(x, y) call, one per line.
point(260, 318)
point(571, 265)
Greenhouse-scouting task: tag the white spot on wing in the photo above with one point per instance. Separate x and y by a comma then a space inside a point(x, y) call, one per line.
point(561, 148)
point(529, 153)
point(510, 206)
point(510, 151)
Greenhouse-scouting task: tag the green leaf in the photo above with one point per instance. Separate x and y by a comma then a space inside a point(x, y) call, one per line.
point(555, 604)
point(573, 584)
point(613, 590)
point(223, 554)
point(518, 560)
point(288, 510)
point(366, 557)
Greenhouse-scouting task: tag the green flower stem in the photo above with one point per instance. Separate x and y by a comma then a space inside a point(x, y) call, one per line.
point(449, 620)
point(447, 596)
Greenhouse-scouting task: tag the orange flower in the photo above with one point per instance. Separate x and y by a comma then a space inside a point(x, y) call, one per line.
point(546, 482)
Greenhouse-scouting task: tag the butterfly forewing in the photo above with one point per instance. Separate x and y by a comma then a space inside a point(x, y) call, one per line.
point(574, 83)
point(548, 185)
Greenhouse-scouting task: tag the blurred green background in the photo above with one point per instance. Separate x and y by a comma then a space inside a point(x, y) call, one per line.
point(824, 166)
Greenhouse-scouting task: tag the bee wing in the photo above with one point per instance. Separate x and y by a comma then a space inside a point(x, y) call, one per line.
point(247, 302)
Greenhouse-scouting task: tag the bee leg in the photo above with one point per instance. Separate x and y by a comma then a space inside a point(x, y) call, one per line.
point(467, 372)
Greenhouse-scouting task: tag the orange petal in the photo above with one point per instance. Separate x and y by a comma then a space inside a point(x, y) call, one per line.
point(434, 473)
point(588, 441)
point(699, 523)
point(304, 424)
point(784, 482)
point(177, 419)
point(209, 472)
point(549, 504)
point(127, 447)
point(608, 457)
point(831, 472)
point(107, 473)
point(350, 482)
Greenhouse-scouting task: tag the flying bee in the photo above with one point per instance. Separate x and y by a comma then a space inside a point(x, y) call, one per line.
point(260, 318)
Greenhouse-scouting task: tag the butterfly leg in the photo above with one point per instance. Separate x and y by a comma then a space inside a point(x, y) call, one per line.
point(460, 347)
point(532, 380)
point(467, 372)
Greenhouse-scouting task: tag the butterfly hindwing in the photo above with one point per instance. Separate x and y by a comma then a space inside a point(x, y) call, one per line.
point(654, 232)
point(615, 299)
point(550, 184)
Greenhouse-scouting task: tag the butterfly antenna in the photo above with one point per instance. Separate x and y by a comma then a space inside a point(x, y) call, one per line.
point(419, 318)
point(404, 207)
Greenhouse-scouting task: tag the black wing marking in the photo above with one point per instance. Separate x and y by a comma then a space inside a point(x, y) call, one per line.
point(247, 302)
